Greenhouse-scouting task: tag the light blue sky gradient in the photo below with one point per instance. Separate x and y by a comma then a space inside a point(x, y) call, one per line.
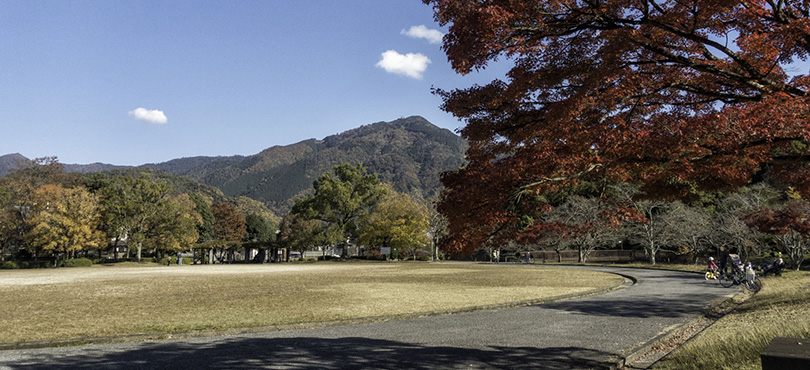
point(231, 77)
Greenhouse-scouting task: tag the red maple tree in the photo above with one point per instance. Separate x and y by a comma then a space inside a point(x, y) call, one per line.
point(672, 95)
point(789, 225)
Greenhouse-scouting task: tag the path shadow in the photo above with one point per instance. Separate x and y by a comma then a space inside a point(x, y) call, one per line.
point(640, 307)
point(315, 353)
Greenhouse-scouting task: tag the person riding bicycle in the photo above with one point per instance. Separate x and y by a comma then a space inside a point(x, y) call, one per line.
point(712, 267)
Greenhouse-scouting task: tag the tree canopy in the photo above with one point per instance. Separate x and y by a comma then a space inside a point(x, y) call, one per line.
point(341, 199)
point(672, 95)
point(396, 222)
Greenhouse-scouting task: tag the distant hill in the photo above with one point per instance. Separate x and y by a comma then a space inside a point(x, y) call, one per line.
point(91, 168)
point(11, 162)
point(408, 153)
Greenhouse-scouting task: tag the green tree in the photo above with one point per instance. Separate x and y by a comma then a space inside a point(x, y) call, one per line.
point(7, 221)
point(205, 228)
point(341, 199)
point(258, 229)
point(397, 222)
point(135, 209)
point(299, 233)
point(175, 226)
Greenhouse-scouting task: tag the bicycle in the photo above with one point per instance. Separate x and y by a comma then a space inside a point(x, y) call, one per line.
point(712, 275)
point(738, 278)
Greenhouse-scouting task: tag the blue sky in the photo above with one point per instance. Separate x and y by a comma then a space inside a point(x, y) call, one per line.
point(134, 82)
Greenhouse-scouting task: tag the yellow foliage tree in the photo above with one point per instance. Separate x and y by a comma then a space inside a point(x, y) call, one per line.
point(66, 220)
point(397, 222)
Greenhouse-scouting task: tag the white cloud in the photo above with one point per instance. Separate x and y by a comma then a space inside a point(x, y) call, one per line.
point(411, 65)
point(151, 116)
point(422, 32)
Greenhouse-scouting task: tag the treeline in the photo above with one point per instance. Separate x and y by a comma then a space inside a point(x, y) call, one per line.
point(755, 221)
point(349, 207)
point(48, 216)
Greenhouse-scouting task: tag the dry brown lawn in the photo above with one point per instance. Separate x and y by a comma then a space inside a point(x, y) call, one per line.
point(115, 300)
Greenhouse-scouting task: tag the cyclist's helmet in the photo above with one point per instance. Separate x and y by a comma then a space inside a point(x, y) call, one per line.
point(711, 258)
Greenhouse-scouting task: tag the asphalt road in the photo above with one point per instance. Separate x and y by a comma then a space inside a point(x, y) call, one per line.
point(579, 333)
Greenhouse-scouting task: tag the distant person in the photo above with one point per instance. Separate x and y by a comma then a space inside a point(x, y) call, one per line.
point(774, 267)
point(723, 259)
point(168, 261)
point(712, 267)
point(179, 259)
point(735, 262)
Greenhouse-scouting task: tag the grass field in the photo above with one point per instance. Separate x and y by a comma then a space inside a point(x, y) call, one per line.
point(780, 309)
point(106, 301)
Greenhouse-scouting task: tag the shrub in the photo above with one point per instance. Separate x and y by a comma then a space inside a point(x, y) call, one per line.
point(77, 262)
point(9, 265)
point(35, 264)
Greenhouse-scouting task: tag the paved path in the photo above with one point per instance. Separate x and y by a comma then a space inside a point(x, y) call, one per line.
point(574, 334)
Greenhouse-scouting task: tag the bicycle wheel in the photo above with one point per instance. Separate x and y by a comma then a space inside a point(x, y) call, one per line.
point(708, 275)
point(726, 280)
point(755, 285)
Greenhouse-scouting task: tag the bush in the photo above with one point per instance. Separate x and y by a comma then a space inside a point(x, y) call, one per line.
point(77, 262)
point(35, 264)
point(9, 265)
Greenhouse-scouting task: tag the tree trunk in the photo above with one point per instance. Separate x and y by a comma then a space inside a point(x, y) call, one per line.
point(115, 248)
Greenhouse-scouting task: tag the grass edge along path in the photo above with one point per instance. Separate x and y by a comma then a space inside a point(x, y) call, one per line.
point(157, 335)
point(737, 338)
point(733, 331)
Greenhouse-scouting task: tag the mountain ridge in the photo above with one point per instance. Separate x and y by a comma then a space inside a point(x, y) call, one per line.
point(409, 153)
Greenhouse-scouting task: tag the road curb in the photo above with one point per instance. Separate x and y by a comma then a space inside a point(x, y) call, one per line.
point(308, 325)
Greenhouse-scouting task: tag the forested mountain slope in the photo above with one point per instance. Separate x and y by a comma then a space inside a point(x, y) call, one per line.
point(409, 153)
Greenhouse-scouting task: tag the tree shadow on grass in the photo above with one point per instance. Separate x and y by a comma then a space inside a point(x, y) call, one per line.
point(316, 353)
